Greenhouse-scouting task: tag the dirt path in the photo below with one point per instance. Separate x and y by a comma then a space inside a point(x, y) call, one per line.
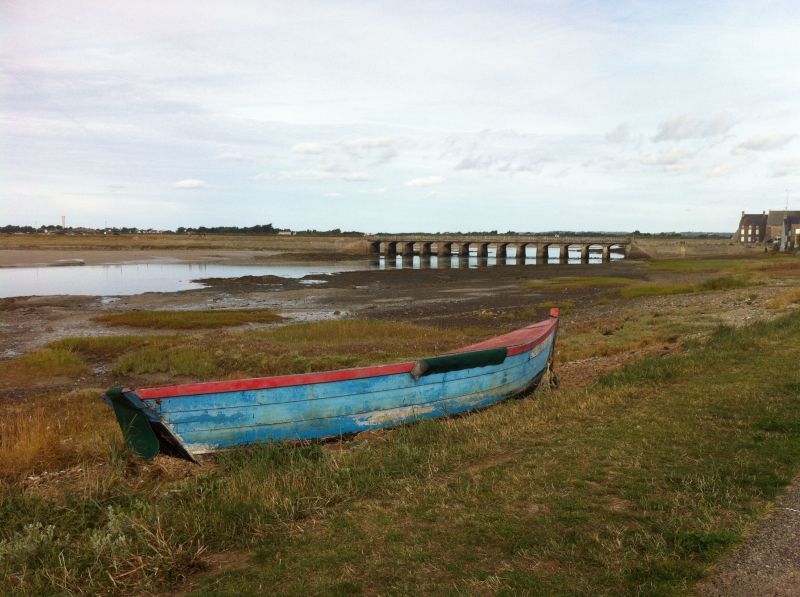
point(767, 564)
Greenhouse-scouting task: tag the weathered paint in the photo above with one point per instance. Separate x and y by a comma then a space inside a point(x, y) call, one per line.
point(206, 417)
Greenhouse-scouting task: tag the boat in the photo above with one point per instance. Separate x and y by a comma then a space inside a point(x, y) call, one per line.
point(192, 419)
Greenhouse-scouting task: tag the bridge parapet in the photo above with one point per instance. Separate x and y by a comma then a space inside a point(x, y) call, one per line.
point(502, 238)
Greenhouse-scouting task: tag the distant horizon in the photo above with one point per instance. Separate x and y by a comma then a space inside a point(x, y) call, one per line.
point(611, 115)
point(344, 232)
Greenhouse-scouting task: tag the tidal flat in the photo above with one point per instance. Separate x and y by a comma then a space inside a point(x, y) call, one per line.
point(674, 430)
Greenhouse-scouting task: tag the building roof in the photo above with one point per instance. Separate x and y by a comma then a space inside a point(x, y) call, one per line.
point(776, 217)
point(753, 220)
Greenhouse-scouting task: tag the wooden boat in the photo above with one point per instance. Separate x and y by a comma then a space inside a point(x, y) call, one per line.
point(191, 419)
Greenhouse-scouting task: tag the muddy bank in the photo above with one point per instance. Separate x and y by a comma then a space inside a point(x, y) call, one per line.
point(493, 298)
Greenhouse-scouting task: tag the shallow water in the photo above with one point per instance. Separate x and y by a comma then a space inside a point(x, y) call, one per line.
point(137, 278)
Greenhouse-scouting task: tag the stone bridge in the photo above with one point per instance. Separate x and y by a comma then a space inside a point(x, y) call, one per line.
point(445, 245)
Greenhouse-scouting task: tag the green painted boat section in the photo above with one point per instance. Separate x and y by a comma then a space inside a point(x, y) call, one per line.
point(135, 426)
point(459, 361)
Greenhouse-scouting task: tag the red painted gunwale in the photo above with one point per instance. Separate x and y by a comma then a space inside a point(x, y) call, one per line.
point(517, 342)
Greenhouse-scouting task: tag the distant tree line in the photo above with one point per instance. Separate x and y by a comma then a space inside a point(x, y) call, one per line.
point(266, 229)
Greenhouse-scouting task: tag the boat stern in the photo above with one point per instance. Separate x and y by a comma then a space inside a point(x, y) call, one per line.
point(143, 430)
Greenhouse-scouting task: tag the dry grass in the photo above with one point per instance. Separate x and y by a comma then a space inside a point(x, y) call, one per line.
point(186, 320)
point(47, 434)
point(785, 299)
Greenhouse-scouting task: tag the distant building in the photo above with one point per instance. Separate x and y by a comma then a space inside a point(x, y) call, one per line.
point(781, 227)
point(752, 228)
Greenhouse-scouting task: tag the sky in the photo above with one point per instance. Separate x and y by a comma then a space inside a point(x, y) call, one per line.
point(399, 116)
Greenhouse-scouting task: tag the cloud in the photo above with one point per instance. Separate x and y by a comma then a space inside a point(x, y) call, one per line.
point(686, 127)
point(191, 184)
point(356, 177)
point(333, 194)
point(621, 134)
point(309, 148)
point(501, 163)
point(369, 143)
point(786, 168)
point(720, 169)
point(763, 143)
point(231, 155)
point(425, 181)
point(329, 173)
point(664, 158)
point(377, 150)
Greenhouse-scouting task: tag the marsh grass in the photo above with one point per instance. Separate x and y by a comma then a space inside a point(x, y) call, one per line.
point(785, 299)
point(633, 486)
point(53, 432)
point(41, 367)
point(294, 348)
point(712, 284)
point(579, 282)
point(186, 320)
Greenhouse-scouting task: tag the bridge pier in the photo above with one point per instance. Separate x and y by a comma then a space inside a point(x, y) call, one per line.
point(542, 252)
point(408, 245)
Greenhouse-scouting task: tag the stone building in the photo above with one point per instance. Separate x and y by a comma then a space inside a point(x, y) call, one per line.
point(783, 228)
point(752, 228)
point(780, 227)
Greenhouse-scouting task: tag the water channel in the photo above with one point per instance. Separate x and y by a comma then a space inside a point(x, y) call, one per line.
point(137, 278)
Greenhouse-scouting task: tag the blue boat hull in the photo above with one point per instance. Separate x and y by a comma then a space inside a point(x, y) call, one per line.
point(199, 423)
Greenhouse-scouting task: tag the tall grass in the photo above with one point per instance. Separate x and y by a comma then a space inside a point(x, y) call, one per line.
point(785, 299)
point(48, 433)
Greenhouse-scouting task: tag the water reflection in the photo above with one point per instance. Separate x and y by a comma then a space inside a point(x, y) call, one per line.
point(472, 261)
point(136, 278)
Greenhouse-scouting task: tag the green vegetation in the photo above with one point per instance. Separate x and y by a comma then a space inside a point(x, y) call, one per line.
point(46, 363)
point(295, 348)
point(579, 282)
point(653, 289)
point(632, 486)
point(185, 320)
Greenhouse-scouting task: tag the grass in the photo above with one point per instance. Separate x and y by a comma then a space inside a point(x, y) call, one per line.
point(294, 348)
point(712, 284)
point(42, 365)
point(785, 299)
point(53, 432)
point(579, 282)
point(187, 320)
point(635, 485)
